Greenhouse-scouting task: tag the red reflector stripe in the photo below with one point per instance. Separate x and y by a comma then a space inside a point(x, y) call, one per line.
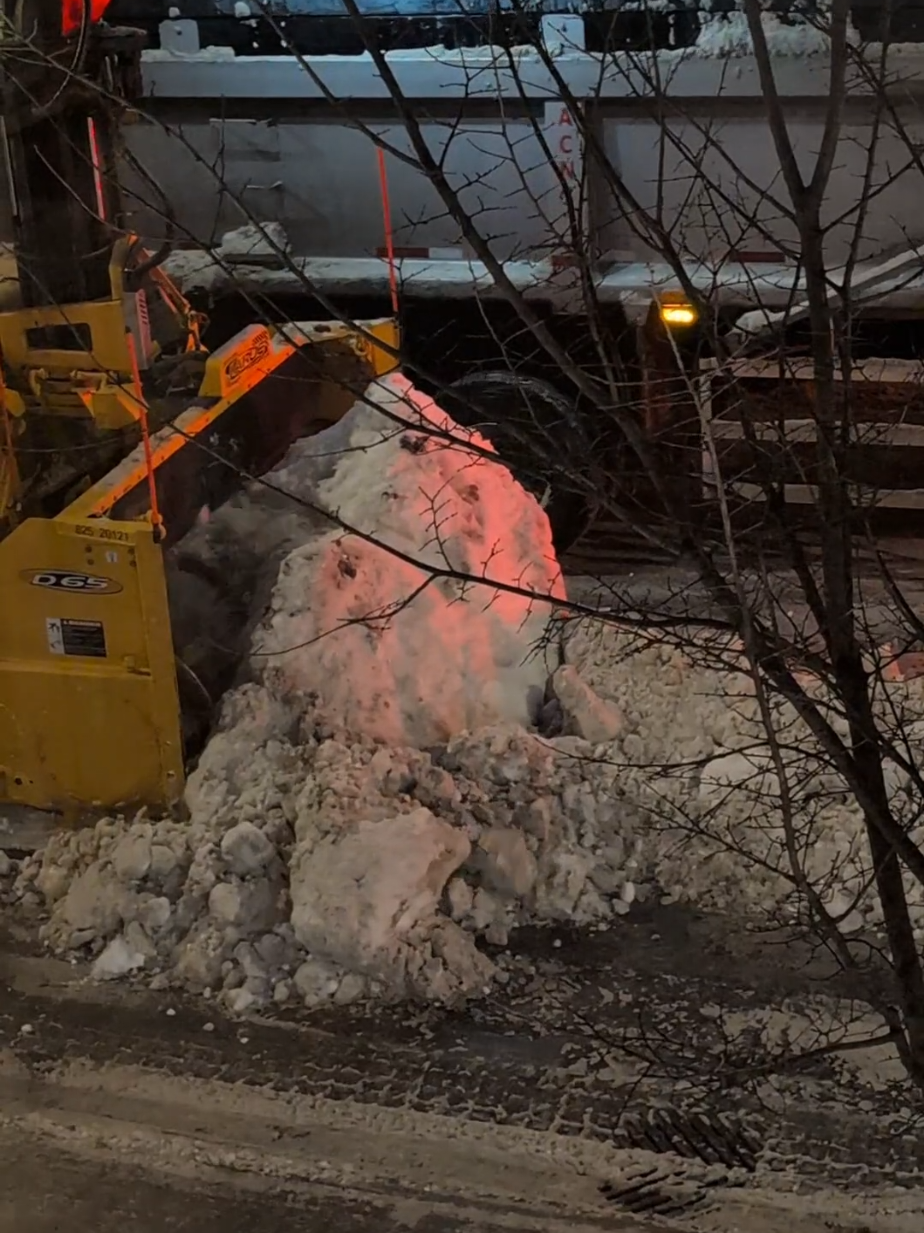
point(97, 169)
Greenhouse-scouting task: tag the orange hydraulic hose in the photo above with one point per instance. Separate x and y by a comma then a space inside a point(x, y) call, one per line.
point(156, 519)
point(6, 445)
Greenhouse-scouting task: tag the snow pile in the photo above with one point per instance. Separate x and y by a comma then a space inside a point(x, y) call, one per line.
point(695, 759)
point(413, 764)
point(332, 870)
point(254, 244)
point(330, 849)
point(408, 646)
point(321, 866)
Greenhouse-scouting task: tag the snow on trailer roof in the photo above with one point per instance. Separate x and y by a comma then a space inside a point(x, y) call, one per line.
point(631, 284)
point(180, 68)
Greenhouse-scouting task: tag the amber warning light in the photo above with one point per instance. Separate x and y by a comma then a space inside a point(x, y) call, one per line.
point(678, 314)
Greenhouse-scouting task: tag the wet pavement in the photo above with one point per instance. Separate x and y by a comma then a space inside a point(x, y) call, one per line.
point(591, 1032)
point(46, 1190)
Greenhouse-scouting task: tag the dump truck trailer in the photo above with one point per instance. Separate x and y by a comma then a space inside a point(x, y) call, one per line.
point(251, 117)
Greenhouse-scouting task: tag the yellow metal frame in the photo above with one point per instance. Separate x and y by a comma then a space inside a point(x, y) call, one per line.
point(81, 732)
point(101, 731)
point(9, 467)
point(228, 379)
point(98, 382)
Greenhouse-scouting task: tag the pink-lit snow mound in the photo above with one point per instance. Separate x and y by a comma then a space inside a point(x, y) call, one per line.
point(395, 636)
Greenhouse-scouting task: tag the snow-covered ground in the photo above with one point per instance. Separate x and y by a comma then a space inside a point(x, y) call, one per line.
point(421, 754)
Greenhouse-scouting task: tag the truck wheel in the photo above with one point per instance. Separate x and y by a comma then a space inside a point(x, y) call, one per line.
point(521, 417)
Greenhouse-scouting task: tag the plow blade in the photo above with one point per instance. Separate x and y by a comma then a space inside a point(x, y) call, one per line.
point(90, 716)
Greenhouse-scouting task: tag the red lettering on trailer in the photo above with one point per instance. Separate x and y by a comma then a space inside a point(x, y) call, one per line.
point(565, 147)
point(567, 158)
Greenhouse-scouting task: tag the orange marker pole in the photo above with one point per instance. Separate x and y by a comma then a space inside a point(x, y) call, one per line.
point(389, 237)
point(156, 520)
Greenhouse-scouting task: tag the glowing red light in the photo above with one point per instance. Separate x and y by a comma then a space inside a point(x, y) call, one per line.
point(97, 168)
point(72, 13)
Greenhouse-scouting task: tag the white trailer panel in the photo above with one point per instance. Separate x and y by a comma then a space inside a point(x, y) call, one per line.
point(280, 139)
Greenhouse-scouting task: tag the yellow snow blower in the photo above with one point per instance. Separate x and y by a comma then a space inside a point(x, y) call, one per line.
point(117, 429)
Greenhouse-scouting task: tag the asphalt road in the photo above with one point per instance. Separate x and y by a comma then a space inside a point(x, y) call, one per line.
point(534, 1057)
point(535, 1061)
point(46, 1190)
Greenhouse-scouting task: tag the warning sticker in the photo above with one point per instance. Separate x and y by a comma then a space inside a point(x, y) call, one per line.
point(85, 638)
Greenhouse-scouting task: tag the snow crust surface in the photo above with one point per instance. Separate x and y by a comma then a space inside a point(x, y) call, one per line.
point(728, 35)
point(414, 645)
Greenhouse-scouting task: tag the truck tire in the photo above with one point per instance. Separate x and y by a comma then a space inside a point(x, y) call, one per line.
point(518, 415)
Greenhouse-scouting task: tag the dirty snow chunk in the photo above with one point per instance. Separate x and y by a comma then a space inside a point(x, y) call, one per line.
point(390, 651)
point(53, 880)
point(584, 714)
point(239, 1001)
point(137, 939)
point(198, 959)
point(563, 875)
point(460, 897)
point(351, 989)
point(486, 909)
point(131, 857)
point(506, 863)
point(750, 772)
point(164, 861)
point(246, 849)
point(317, 981)
point(93, 904)
point(154, 915)
point(249, 907)
point(117, 960)
point(364, 899)
point(254, 243)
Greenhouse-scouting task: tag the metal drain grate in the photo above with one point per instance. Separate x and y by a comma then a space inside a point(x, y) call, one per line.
point(714, 1139)
point(653, 1192)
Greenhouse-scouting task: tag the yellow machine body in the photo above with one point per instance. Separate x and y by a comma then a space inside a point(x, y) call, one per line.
point(117, 429)
point(89, 704)
point(87, 359)
point(75, 381)
point(89, 712)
